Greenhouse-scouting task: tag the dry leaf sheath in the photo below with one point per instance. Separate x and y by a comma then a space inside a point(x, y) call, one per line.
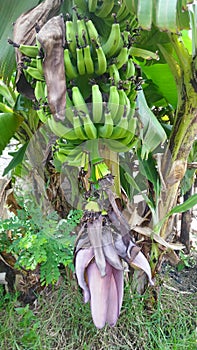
point(52, 40)
point(25, 33)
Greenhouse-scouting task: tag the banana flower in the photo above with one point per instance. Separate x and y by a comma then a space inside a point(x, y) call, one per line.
point(100, 272)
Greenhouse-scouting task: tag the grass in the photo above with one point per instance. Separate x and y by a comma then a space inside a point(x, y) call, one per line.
point(60, 321)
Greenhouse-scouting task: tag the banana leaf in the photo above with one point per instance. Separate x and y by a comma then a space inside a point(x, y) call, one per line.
point(188, 204)
point(151, 133)
point(10, 10)
point(9, 123)
point(17, 158)
point(169, 15)
point(181, 208)
point(161, 76)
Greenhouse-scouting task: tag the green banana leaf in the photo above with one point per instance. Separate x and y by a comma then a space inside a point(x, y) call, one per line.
point(9, 123)
point(7, 95)
point(161, 76)
point(168, 15)
point(17, 158)
point(181, 208)
point(188, 178)
point(10, 10)
point(130, 179)
point(151, 133)
point(147, 167)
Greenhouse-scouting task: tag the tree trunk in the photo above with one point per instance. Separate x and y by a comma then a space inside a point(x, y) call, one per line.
point(186, 224)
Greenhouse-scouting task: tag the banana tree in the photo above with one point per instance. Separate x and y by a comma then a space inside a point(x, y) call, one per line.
point(97, 91)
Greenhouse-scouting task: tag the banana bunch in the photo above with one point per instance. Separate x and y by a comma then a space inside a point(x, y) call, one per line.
point(113, 119)
point(100, 80)
point(71, 154)
point(78, 156)
point(107, 9)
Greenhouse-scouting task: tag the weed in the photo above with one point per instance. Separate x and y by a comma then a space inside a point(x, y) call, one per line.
point(40, 240)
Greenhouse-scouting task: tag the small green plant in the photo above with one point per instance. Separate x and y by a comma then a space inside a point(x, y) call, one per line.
point(185, 261)
point(28, 322)
point(38, 240)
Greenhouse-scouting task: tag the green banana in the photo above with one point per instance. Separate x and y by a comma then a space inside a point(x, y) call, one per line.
point(101, 64)
point(105, 9)
point(61, 156)
point(127, 38)
point(89, 64)
point(114, 74)
point(130, 132)
point(42, 115)
point(101, 170)
point(122, 108)
point(29, 50)
point(122, 57)
point(127, 86)
point(112, 44)
point(127, 71)
point(122, 13)
point(70, 69)
point(113, 102)
point(78, 127)
point(82, 34)
point(130, 71)
point(132, 97)
point(70, 37)
point(34, 73)
point(117, 146)
point(78, 100)
point(69, 109)
point(39, 65)
point(80, 61)
point(97, 104)
point(72, 158)
point(39, 91)
point(120, 130)
point(74, 161)
point(92, 5)
point(32, 62)
point(92, 31)
point(89, 127)
point(81, 6)
point(105, 131)
point(67, 149)
point(61, 130)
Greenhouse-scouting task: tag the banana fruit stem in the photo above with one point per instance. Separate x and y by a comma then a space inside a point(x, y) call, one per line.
point(93, 148)
point(111, 158)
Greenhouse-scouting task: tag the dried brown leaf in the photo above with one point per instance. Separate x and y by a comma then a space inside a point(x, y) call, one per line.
point(25, 33)
point(52, 40)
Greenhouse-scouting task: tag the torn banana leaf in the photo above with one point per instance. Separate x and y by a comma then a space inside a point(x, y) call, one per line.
point(25, 33)
point(146, 231)
point(52, 40)
point(151, 133)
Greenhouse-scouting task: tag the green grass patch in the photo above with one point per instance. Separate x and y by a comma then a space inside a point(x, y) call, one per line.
point(59, 320)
